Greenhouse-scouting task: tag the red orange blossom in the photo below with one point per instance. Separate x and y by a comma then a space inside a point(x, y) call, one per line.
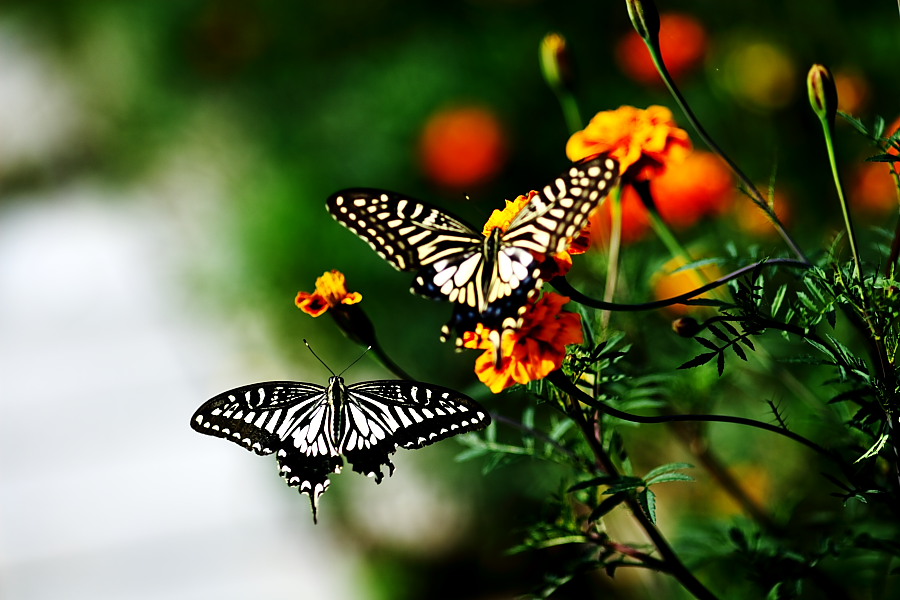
point(531, 352)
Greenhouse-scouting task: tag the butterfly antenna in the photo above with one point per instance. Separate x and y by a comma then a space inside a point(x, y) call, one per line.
point(355, 361)
point(323, 364)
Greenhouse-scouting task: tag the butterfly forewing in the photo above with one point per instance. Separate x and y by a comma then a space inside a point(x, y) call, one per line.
point(560, 209)
point(260, 415)
point(407, 233)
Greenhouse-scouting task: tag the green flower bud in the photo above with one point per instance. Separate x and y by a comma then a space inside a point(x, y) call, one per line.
point(822, 93)
point(645, 18)
point(556, 64)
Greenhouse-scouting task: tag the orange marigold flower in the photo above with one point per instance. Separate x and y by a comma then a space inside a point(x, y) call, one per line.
point(701, 186)
point(533, 351)
point(682, 40)
point(462, 147)
point(501, 219)
point(331, 290)
point(645, 142)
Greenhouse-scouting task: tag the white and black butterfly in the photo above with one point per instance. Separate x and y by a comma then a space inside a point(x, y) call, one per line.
point(488, 278)
point(309, 427)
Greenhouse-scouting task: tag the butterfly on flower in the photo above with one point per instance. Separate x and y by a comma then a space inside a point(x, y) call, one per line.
point(489, 277)
point(310, 427)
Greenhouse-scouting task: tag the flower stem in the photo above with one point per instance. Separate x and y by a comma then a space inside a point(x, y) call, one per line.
point(615, 245)
point(673, 563)
point(748, 185)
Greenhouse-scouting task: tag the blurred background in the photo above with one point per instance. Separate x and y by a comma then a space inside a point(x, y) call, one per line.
point(163, 171)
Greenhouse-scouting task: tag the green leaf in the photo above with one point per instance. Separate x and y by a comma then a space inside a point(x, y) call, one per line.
point(777, 300)
point(718, 333)
point(739, 351)
point(875, 449)
point(647, 499)
point(667, 468)
point(720, 363)
point(707, 343)
point(602, 480)
point(667, 477)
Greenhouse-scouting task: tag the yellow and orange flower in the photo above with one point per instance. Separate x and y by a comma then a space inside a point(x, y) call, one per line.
point(645, 142)
point(873, 183)
point(331, 291)
point(533, 351)
point(683, 42)
point(753, 221)
point(462, 147)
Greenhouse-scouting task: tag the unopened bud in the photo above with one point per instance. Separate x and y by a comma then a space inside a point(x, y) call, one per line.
point(645, 18)
point(822, 93)
point(686, 327)
point(556, 64)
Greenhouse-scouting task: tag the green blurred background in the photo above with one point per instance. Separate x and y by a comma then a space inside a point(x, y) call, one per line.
point(222, 126)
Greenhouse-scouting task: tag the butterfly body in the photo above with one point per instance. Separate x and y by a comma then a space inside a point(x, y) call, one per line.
point(489, 278)
point(312, 428)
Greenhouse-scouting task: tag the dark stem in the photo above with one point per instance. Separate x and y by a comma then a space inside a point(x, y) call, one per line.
point(563, 285)
point(673, 563)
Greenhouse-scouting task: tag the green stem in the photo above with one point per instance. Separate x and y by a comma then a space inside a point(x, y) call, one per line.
point(615, 245)
point(748, 185)
point(571, 112)
point(848, 221)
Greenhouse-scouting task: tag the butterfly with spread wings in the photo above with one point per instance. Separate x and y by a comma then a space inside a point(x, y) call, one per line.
point(310, 427)
point(489, 278)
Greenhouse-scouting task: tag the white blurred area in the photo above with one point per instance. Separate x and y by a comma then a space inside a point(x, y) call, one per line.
point(105, 491)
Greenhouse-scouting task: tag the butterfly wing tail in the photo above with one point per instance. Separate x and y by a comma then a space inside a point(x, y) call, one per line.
point(310, 477)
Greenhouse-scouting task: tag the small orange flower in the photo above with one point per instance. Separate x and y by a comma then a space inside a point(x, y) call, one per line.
point(331, 290)
point(533, 351)
point(645, 142)
point(501, 219)
point(700, 186)
point(683, 42)
point(462, 147)
point(853, 91)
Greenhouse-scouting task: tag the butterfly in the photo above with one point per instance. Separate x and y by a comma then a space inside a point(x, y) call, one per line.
point(311, 428)
point(489, 278)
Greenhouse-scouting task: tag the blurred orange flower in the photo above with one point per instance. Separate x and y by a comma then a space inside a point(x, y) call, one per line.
point(667, 283)
point(683, 42)
point(533, 351)
point(462, 147)
point(701, 186)
point(750, 219)
point(635, 222)
point(853, 91)
point(645, 142)
point(873, 184)
point(331, 290)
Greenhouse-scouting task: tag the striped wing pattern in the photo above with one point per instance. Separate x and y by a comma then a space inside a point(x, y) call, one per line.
point(310, 427)
point(488, 278)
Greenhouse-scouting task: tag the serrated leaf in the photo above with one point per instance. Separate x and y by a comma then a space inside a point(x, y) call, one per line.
point(607, 505)
point(667, 468)
point(701, 359)
point(718, 333)
point(746, 341)
point(667, 477)
point(731, 328)
point(648, 501)
point(739, 351)
point(707, 343)
point(855, 123)
point(885, 158)
point(720, 363)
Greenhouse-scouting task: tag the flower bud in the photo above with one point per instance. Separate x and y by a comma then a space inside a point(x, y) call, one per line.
point(686, 327)
point(556, 64)
point(645, 18)
point(822, 93)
